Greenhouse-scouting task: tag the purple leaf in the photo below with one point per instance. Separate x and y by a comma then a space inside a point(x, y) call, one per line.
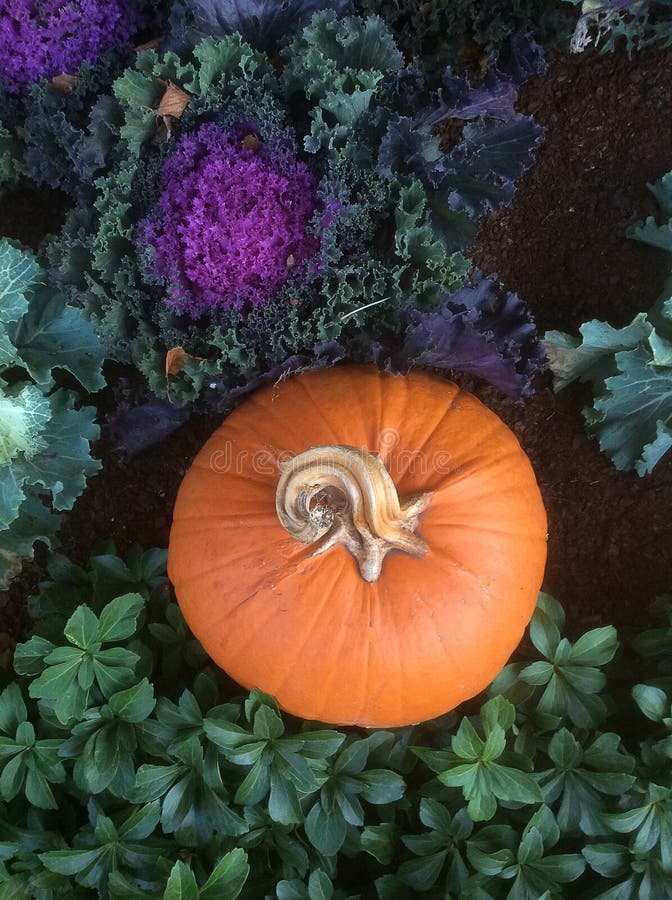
point(482, 170)
point(134, 429)
point(325, 353)
point(482, 330)
point(496, 96)
point(414, 149)
point(262, 23)
point(44, 38)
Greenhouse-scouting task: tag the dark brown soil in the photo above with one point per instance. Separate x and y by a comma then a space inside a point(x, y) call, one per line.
point(561, 245)
point(28, 214)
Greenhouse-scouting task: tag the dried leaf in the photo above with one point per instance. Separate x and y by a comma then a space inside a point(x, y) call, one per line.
point(149, 45)
point(63, 83)
point(175, 361)
point(251, 142)
point(291, 261)
point(174, 102)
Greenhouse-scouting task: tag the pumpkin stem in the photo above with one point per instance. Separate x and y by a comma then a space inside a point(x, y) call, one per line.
point(344, 495)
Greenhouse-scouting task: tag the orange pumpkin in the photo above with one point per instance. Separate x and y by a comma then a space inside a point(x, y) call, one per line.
point(367, 548)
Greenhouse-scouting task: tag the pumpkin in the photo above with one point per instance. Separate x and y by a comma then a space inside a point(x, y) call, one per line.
point(367, 548)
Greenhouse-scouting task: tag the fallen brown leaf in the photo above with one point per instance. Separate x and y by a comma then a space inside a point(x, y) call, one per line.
point(149, 45)
point(175, 360)
point(174, 101)
point(251, 142)
point(426, 8)
point(172, 105)
point(63, 83)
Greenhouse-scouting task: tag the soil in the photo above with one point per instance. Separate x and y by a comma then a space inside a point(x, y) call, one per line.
point(561, 245)
point(29, 214)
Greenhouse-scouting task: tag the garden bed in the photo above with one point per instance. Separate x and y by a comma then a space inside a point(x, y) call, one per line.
point(254, 712)
point(561, 245)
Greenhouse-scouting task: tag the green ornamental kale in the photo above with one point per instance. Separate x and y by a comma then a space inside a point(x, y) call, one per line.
point(44, 437)
point(635, 23)
point(429, 33)
point(630, 368)
point(11, 166)
point(293, 211)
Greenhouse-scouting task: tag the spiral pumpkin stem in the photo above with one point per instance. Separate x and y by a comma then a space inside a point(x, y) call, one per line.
point(344, 495)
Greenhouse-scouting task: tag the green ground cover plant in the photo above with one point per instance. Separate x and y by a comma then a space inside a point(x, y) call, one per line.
point(127, 768)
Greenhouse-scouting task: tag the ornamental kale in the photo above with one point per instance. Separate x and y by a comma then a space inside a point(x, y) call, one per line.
point(55, 60)
point(122, 777)
point(428, 33)
point(630, 369)
point(11, 167)
point(640, 23)
point(44, 438)
point(263, 24)
point(266, 218)
point(231, 221)
point(43, 38)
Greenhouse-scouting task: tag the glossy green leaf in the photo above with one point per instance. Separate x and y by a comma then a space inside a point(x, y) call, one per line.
point(652, 701)
point(320, 886)
point(134, 704)
point(325, 829)
point(228, 878)
point(181, 884)
point(422, 874)
point(118, 618)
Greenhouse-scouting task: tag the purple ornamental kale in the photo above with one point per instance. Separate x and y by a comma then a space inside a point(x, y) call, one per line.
point(43, 38)
point(261, 23)
point(481, 329)
point(231, 222)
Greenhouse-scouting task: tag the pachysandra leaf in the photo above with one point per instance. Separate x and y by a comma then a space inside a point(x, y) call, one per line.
point(600, 806)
